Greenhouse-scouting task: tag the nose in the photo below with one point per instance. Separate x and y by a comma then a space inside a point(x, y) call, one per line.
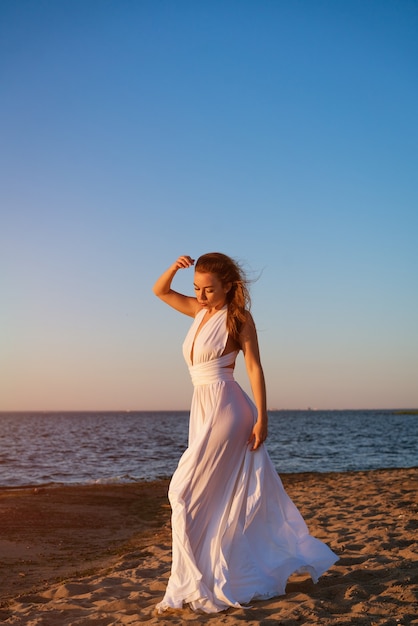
point(203, 295)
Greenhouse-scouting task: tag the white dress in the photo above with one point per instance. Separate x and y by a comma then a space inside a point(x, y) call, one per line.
point(237, 536)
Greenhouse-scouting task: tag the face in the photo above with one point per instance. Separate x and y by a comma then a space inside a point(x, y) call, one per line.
point(209, 290)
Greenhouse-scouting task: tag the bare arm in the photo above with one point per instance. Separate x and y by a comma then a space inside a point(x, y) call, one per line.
point(162, 288)
point(249, 344)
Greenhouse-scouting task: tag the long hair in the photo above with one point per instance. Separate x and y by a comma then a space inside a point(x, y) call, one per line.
point(238, 297)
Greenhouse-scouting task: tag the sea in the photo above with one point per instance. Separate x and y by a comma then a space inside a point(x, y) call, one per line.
point(118, 447)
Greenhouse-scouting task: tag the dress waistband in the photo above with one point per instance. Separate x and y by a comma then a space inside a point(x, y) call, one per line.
point(212, 371)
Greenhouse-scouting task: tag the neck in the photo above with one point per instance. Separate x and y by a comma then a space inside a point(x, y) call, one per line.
point(213, 310)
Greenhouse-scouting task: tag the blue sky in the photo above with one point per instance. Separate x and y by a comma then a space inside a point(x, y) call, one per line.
point(283, 133)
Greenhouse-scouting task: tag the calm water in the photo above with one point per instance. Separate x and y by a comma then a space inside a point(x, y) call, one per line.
point(40, 448)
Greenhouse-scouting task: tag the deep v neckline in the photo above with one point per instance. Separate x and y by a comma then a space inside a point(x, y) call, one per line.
point(201, 327)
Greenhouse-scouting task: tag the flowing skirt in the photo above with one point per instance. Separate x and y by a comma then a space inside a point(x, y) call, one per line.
point(237, 536)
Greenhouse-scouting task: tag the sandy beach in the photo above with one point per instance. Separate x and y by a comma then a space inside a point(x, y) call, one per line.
point(100, 554)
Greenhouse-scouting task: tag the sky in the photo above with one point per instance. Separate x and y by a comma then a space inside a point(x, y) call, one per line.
point(281, 132)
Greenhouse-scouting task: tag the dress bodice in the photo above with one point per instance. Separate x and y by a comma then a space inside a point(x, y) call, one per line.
point(203, 350)
point(210, 342)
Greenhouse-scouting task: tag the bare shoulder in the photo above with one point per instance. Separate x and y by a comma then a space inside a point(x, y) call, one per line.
point(248, 334)
point(249, 324)
point(190, 306)
point(249, 340)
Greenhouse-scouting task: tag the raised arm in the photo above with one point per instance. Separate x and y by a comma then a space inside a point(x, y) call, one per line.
point(162, 288)
point(249, 345)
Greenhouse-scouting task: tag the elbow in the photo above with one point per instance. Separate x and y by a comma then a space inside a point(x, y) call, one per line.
point(157, 291)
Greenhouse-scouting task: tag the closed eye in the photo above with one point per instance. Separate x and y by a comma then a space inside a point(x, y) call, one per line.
point(208, 289)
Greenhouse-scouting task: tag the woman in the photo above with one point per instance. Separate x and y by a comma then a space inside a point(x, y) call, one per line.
point(237, 536)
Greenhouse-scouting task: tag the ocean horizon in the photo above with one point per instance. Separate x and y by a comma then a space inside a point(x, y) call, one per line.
point(85, 447)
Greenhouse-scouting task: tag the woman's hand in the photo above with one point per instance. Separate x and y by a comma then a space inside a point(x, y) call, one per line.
point(183, 262)
point(258, 434)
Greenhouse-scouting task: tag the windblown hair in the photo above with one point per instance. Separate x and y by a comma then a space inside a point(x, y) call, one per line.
point(238, 297)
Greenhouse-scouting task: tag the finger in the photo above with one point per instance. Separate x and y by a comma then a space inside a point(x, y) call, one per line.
point(258, 443)
point(254, 442)
point(185, 261)
point(181, 263)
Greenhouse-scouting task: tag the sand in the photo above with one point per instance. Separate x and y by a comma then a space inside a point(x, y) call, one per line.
point(100, 555)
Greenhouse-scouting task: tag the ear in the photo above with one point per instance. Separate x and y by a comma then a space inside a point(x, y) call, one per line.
point(227, 287)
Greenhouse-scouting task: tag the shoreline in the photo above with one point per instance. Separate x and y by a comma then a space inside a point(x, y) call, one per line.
point(71, 554)
point(166, 479)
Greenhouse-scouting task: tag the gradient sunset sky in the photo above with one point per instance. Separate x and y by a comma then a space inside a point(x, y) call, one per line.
point(283, 133)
